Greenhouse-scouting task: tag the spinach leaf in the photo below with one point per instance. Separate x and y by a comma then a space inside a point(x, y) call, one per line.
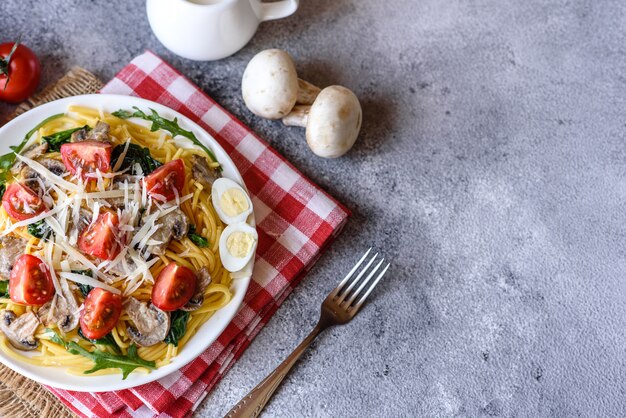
point(199, 240)
point(84, 288)
point(4, 288)
point(7, 160)
point(134, 154)
point(39, 229)
point(103, 360)
point(59, 138)
point(106, 340)
point(179, 326)
point(159, 122)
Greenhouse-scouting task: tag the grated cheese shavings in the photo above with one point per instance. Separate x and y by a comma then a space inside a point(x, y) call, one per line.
point(48, 257)
point(13, 226)
point(120, 159)
point(79, 257)
point(89, 281)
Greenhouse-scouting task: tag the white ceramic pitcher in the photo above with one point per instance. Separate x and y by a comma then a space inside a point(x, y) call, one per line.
point(207, 30)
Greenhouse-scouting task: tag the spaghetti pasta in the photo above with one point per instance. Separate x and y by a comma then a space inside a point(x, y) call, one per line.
point(198, 209)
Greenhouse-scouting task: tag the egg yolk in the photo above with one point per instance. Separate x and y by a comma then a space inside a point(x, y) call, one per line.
point(239, 244)
point(233, 202)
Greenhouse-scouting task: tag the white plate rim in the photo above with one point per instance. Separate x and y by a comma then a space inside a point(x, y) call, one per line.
point(57, 377)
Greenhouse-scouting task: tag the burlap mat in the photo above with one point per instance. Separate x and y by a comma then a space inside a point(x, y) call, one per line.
point(21, 397)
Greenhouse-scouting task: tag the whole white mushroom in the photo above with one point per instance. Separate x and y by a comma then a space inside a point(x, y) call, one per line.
point(270, 85)
point(332, 123)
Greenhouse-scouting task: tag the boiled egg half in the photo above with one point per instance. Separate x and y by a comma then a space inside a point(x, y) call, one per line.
point(230, 200)
point(237, 246)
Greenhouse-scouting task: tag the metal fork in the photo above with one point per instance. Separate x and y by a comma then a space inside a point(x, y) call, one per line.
point(338, 308)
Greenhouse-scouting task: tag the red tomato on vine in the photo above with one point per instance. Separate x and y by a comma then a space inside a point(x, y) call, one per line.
point(20, 72)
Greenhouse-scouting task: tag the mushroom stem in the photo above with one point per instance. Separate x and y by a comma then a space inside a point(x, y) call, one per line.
point(299, 116)
point(307, 92)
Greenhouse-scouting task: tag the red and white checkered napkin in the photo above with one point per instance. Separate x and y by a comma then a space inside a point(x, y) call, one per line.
point(295, 221)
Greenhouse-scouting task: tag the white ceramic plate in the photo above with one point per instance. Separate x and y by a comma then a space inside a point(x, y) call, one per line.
point(11, 134)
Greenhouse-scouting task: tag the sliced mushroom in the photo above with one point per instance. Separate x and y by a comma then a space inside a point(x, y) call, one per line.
point(20, 330)
point(151, 323)
point(11, 249)
point(80, 135)
point(120, 179)
point(179, 224)
point(36, 150)
point(32, 152)
point(62, 310)
point(201, 171)
point(116, 202)
point(203, 280)
point(119, 183)
point(84, 219)
point(332, 123)
point(55, 166)
point(99, 133)
point(271, 87)
point(35, 181)
point(174, 225)
point(124, 267)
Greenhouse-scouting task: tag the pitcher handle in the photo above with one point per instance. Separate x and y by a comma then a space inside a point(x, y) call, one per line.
point(277, 10)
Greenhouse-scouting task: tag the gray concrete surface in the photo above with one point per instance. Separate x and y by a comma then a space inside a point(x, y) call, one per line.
point(491, 170)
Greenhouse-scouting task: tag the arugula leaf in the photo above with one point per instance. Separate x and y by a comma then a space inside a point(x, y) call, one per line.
point(103, 360)
point(199, 240)
point(55, 337)
point(106, 340)
point(4, 288)
point(159, 122)
point(59, 138)
point(179, 326)
point(36, 128)
point(134, 154)
point(7, 160)
point(39, 229)
point(84, 288)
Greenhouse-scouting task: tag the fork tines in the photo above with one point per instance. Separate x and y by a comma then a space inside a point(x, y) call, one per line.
point(345, 288)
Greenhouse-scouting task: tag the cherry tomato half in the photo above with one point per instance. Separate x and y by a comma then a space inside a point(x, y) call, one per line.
point(86, 156)
point(100, 239)
point(24, 73)
point(102, 310)
point(167, 181)
point(21, 202)
point(173, 287)
point(30, 282)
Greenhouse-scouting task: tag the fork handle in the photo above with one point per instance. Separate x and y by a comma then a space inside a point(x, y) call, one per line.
point(253, 403)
